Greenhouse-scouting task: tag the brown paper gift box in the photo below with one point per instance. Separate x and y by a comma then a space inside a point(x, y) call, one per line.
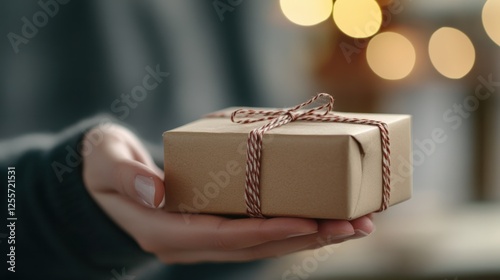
point(309, 169)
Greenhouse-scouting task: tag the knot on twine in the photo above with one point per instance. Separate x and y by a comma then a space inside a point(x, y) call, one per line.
point(279, 117)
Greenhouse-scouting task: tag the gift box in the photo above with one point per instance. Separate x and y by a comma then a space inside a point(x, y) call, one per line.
point(289, 162)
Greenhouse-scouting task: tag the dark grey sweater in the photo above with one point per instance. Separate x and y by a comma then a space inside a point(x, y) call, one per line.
point(60, 232)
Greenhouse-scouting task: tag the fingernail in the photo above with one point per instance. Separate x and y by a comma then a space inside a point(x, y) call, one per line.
point(301, 234)
point(342, 236)
point(145, 187)
point(361, 233)
point(162, 203)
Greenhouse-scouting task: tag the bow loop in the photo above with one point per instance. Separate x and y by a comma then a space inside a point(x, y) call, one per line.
point(326, 104)
point(294, 113)
point(252, 116)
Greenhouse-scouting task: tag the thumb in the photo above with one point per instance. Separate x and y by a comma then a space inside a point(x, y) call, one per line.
point(140, 183)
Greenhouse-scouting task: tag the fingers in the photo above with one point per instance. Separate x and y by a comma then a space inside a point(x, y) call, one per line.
point(213, 238)
point(139, 152)
point(216, 233)
point(233, 234)
point(330, 232)
point(244, 233)
point(263, 251)
point(119, 163)
point(363, 226)
point(160, 230)
point(335, 228)
point(140, 183)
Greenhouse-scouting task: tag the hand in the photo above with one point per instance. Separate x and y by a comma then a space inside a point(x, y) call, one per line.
point(121, 176)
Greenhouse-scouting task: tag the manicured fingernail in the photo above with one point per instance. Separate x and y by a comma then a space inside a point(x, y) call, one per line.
point(301, 234)
point(162, 203)
point(361, 233)
point(145, 187)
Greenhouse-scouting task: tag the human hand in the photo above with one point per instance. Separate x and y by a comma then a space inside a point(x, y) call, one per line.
point(123, 179)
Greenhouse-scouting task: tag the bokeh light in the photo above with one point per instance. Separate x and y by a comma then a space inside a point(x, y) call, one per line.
point(391, 55)
point(491, 19)
point(357, 18)
point(451, 52)
point(306, 12)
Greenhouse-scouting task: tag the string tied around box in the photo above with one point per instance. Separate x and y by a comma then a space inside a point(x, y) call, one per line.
point(280, 117)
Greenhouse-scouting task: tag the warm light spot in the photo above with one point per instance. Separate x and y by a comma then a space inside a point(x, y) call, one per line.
point(306, 12)
point(390, 55)
point(491, 20)
point(451, 52)
point(357, 18)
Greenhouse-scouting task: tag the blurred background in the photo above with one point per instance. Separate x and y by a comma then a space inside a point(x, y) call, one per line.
point(436, 60)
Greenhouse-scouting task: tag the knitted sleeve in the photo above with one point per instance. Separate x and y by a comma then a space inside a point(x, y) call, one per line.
point(56, 230)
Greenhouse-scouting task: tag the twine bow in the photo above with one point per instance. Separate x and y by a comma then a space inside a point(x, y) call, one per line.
point(280, 117)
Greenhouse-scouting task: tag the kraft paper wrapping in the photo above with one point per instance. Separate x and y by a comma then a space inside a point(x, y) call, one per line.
point(309, 169)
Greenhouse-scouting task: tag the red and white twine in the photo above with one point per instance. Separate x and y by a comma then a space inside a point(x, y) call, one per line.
point(281, 117)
